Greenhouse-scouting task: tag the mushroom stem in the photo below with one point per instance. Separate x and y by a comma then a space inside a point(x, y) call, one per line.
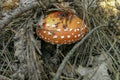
point(57, 48)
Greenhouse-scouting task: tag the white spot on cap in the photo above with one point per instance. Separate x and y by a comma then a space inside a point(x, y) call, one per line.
point(62, 37)
point(78, 29)
point(79, 35)
point(68, 36)
point(75, 36)
point(45, 38)
point(55, 36)
point(49, 33)
point(78, 22)
point(58, 30)
point(72, 33)
point(82, 35)
point(47, 25)
point(53, 25)
point(82, 28)
point(75, 30)
point(71, 29)
point(44, 31)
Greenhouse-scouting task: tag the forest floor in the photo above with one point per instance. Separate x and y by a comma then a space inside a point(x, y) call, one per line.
point(24, 56)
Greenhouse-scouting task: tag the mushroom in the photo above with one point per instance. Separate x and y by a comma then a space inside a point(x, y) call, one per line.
point(61, 28)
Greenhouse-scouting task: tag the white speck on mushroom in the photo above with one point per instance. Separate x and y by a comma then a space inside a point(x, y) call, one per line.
point(78, 29)
point(47, 25)
point(49, 33)
point(45, 38)
point(44, 31)
point(75, 36)
point(82, 28)
point(78, 22)
point(82, 35)
point(62, 37)
point(55, 36)
point(78, 35)
point(71, 29)
point(75, 30)
point(58, 30)
point(68, 36)
point(53, 26)
point(72, 33)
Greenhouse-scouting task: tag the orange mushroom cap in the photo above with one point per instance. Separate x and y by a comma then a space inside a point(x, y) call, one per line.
point(61, 28)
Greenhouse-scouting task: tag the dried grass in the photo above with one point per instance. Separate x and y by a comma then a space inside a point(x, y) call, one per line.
point(21, 49)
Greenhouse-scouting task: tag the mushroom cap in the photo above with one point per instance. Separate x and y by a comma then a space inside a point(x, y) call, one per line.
point(61, 28)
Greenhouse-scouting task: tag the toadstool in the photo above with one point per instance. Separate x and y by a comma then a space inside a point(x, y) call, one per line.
point(61, 28)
